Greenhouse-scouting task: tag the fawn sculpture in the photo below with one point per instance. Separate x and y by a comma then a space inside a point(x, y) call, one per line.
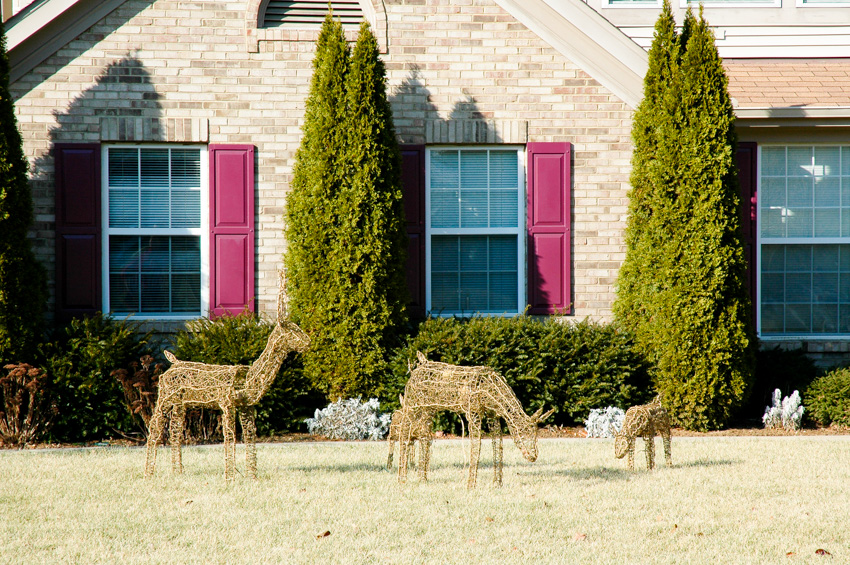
point(229, 388)
point(479, 393)
point(644, 421)
point(404, 428)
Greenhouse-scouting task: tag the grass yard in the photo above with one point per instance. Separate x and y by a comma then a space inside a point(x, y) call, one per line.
point(725, 500)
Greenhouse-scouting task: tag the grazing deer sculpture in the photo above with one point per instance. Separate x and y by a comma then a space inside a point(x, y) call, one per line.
point(479, 393)
point(229, 388)
point(644, 421)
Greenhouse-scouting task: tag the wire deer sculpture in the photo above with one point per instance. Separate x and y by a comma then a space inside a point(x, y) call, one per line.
point(479, 393)
point(229, 388)
point(405, 428)
point(644, 421)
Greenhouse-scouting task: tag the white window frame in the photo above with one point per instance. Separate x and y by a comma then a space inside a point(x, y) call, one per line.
point(760, 241)
point(202, 232)
point(520, 231)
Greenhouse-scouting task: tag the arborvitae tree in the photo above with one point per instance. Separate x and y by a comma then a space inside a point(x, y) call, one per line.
point(684, 295)
point(23, 289)
point(345, 220)
point(311, 216)
point(371, 246)
point(639, 282)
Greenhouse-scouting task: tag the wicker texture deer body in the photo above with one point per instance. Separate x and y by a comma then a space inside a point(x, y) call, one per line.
point(479, 393)
point(644, 421)
point(229, 388)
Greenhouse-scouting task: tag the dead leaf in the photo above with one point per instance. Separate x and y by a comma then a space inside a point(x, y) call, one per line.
point(675, 526)
point(489, 519)
point(823, 552)
point(790, 554)
point(324, 534)
point(188, 502)
point(579, 537)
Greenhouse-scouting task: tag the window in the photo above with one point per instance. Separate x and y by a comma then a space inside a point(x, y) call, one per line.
point(154, 233)
point(475, 220)
point(804, 240)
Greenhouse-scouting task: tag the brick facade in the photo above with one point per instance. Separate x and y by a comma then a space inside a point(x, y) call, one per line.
point(459, 71)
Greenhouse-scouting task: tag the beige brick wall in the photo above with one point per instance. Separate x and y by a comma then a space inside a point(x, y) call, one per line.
point(184, 71)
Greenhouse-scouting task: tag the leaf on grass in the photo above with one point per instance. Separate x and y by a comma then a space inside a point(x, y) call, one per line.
point(324, 534)
point(188, 502)
point(490, 519)
point(579, 537)
point(790, 554)
point(674, 528)
point(823, 552)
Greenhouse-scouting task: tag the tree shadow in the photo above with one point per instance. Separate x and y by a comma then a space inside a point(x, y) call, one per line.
point(123, 97)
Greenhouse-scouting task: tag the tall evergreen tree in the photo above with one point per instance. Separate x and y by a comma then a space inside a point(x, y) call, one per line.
point(684, 294)
point(311, 217)
point(345, 220)
point(23, 289)
point(372, 242)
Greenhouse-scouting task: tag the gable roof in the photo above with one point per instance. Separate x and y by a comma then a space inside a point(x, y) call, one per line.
point(45, 26)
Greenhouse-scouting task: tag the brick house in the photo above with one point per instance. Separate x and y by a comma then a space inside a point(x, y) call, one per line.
point(161, 136)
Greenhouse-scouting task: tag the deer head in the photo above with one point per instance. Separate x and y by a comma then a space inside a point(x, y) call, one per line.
point(524, 432)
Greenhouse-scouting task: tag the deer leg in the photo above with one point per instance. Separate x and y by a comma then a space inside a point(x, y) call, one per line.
point(474, 448)
point(649, 445)
point(178, 416)
point(665, 438)
point(247, 417)
point(631, 456)
point(498, 453)
point(154, 435)
point(391, 445)
point(228, 428)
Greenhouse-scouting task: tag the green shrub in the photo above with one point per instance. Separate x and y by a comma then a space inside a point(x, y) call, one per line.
point(239, 340)
point(571, 367)
point(79, 361)
point(827, 400)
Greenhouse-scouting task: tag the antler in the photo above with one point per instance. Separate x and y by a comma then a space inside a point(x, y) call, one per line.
point(538, 418)
point(281, 296)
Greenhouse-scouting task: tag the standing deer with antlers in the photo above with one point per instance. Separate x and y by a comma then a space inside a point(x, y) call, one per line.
point(479, 393)
point(229, 388)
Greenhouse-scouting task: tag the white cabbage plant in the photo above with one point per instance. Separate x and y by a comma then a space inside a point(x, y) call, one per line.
point(350, 419)
point(785, 413)
point(604, 422)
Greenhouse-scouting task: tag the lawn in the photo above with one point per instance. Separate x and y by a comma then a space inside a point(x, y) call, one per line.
point(725, 500)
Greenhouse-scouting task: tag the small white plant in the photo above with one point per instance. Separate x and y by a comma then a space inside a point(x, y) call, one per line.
point(785, 413)
point(350, 419)
point(604, 422)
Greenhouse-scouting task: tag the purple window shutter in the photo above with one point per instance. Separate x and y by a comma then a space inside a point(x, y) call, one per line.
point(231, 229)
point(413, 189)
point(549, 239)
point(78, 230)
point(746, 161)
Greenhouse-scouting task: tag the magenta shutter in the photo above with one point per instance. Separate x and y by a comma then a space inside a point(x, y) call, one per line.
point(78, 230)
point(231, 229)
point(413, 188)
point(549, 228)
point(746, 161)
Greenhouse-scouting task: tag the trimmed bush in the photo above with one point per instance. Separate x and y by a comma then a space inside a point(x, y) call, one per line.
point(828, 398)
point(79, 361)
point(239, 340)
point(571, 367)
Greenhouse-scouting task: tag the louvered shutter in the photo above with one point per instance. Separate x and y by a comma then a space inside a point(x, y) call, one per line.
point(747, 171)
point(78, 230)
point(413, 189)
point(231, 229)
point(309, 13)
point(549, 239)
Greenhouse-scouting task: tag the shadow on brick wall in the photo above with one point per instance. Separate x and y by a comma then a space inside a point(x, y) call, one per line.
point(124, 90)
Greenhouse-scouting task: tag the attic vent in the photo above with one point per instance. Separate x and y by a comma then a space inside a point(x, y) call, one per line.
point(310, 13)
